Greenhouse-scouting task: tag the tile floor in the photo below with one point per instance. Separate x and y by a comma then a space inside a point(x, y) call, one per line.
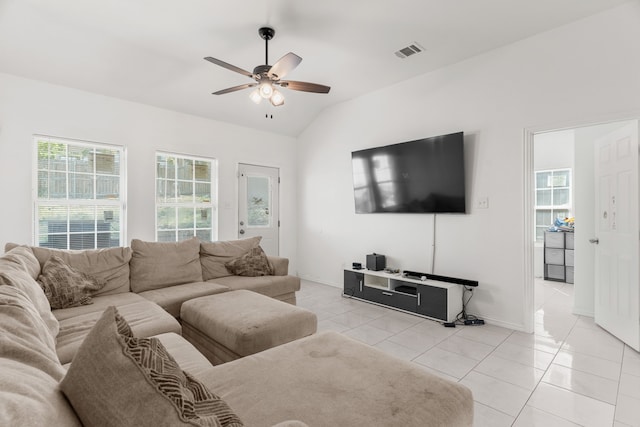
point(569, 372)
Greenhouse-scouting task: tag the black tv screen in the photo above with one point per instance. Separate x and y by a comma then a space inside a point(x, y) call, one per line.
point(422, 176)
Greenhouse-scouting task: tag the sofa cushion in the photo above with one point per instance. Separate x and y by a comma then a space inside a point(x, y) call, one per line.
point(172, 297)
point(271, 286)
point(22, 256)
point(329, 379)
point(157, 265)
point(214, 255)
point(252, 264)
point(16, 269)
point(100, 303)
point(118, 380)
point(146, 319)
point(108, 264)
point(188, 357)
point(65, 286)
point(29, 368)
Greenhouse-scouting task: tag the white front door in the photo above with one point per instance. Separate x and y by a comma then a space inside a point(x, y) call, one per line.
point(258, 214)
point(617, 290)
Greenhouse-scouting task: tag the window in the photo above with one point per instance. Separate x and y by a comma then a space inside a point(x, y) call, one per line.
point(553, 198)
point(185, 196)
point(79, 202)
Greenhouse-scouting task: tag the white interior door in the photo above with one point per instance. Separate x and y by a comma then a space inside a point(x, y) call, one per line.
point(258, 214)
point(617, 290)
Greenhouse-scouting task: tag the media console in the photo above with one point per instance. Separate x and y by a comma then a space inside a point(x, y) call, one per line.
point(439, 299)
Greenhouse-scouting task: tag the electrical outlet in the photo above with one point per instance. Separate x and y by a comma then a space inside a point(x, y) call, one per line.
point(482, 203)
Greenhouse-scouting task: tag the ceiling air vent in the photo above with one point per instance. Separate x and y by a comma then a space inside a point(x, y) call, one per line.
point(412, 49)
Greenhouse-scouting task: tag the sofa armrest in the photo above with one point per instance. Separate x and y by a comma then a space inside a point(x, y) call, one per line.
point(280, 265)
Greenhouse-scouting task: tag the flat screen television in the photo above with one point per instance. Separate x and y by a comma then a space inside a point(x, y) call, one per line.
point(422, 176)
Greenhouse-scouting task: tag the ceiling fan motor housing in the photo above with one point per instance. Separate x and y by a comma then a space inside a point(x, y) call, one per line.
point(266, 33)
point(261, 70)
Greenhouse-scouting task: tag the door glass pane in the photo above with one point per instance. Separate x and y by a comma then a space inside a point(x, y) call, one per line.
point(258, 201)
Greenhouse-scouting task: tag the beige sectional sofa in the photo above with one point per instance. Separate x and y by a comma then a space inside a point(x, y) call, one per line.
point(149, 281)
point(325, 379)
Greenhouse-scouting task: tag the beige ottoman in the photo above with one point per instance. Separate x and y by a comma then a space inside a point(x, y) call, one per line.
point(235, 324)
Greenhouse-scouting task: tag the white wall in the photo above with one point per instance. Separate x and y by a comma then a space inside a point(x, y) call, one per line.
point(582, 72)
point(553, 150)
point(28, 107)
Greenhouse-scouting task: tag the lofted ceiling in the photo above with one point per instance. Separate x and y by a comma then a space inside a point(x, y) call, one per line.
point(151, 51)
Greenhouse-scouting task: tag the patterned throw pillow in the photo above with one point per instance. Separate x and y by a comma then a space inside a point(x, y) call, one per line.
point(65, 286)
point(119, 380)
point(253, 263)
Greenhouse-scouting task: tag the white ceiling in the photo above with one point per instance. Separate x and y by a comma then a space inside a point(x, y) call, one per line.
point(151, 51)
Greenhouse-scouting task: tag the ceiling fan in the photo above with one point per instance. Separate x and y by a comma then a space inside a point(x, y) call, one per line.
point(268, 77)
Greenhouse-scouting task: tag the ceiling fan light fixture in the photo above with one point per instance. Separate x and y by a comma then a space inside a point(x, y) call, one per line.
point(266, 90)
point(277, 98)
point(255, 96)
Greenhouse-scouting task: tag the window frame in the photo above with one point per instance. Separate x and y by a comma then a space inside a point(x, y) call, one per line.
point(551, 207)
point(212, 204)
point(119, 204)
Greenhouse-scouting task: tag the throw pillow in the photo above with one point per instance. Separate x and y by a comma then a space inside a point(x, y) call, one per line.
point(214, 255)
point(108, 264)
point(65, 286)
point(253, 263)
point(119, 380)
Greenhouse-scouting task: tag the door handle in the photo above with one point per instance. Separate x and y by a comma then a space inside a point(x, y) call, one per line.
point(594, 240)
point(241, 231)
point(389, 294)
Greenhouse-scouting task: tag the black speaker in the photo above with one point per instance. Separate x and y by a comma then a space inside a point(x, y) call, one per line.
point(376, 262)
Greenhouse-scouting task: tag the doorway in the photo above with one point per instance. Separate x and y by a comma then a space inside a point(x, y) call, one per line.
point(548, 151)
point(258, 205)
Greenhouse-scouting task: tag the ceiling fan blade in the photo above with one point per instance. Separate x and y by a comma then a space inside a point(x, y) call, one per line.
point(235, 88)
point(304, 86)
point(229, 66)
point(284, 66)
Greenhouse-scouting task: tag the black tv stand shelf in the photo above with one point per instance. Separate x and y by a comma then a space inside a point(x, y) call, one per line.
point(436, 297)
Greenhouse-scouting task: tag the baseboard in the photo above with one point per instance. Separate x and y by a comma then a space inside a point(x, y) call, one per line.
point(316, 280)
point(502, 324)
point(583, 312)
